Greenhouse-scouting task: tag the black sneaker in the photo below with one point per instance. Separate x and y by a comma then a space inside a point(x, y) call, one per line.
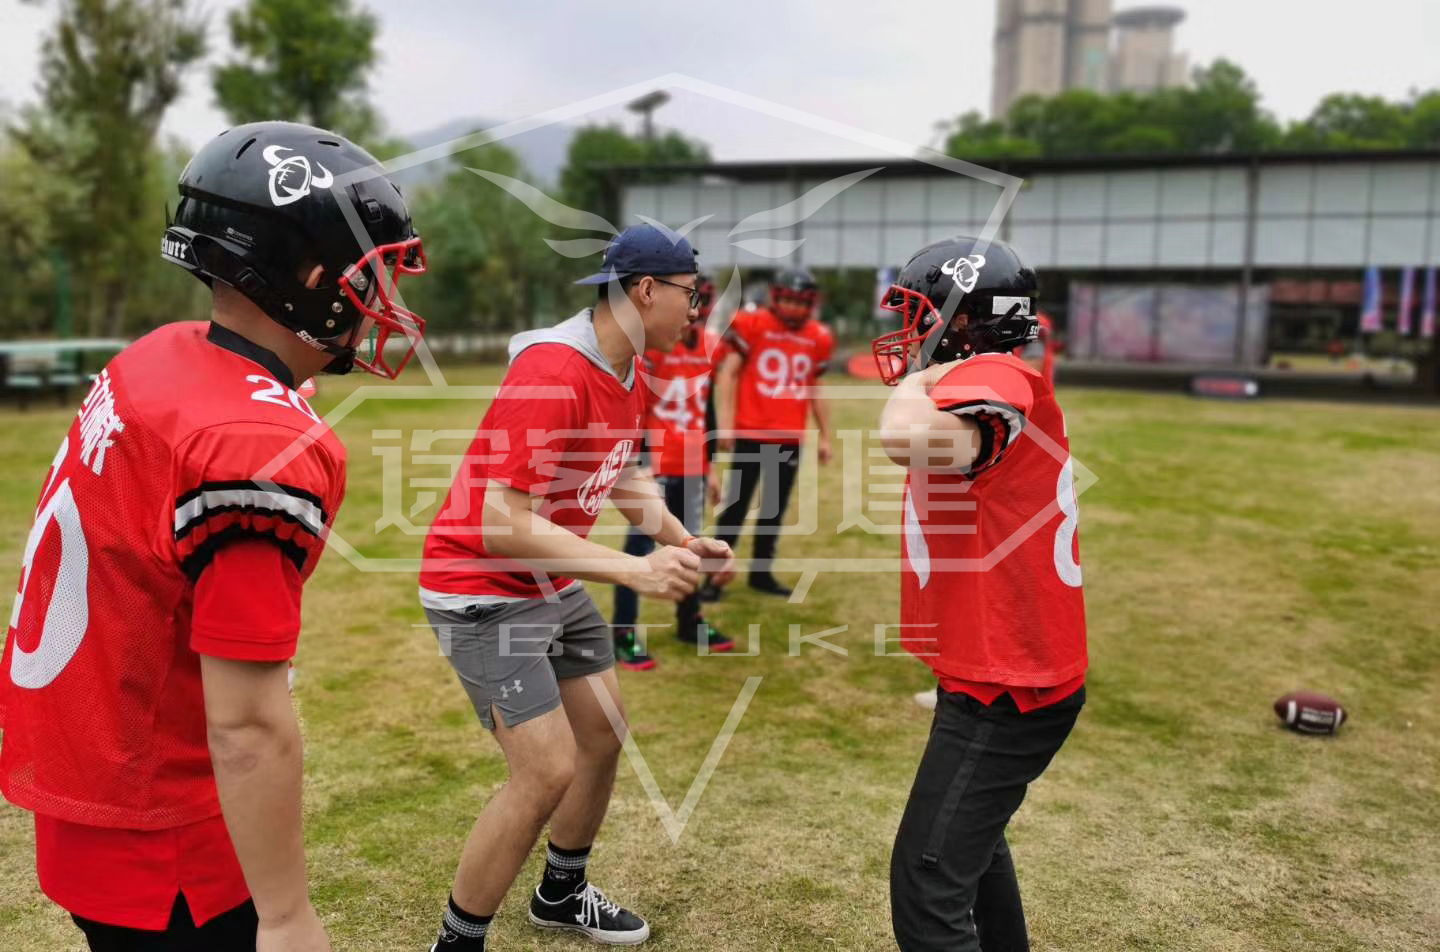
point(590, 913)
point(715, 642)
point(766, 585)
point(629, 652)
point(710, 592)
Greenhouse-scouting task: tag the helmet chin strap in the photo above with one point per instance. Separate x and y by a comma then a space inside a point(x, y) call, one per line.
point(341, 365)
point(342, 355)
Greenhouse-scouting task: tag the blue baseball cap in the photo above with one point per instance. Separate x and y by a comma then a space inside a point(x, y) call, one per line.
point(645, 249)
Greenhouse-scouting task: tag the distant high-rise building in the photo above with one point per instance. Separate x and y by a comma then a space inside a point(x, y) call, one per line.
point(1031, 49)
point(1048, 46)
point(1144, 51)
point(1088, 49)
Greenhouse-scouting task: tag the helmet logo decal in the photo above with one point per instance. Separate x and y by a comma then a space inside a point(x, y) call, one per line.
point(965, 271)
point(175, 248)
point(291, 177)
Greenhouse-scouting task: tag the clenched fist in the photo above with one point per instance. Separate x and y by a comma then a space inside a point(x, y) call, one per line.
point(719, 561)
point(670, 573)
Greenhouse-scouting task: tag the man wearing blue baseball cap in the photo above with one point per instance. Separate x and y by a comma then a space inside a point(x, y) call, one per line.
point(501, 583)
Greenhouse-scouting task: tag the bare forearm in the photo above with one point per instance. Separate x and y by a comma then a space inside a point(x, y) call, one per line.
point(258, 775)
point(916, 434)
point(513, 531)
point(909, 404)
point(640, 501)
point(726, 378)
point(820, 406)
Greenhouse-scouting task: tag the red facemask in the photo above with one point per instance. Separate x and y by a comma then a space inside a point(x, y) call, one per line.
point(892, 350)
point(371, 286)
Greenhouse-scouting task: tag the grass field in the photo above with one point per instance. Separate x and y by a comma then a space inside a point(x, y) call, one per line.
point(1232, 552)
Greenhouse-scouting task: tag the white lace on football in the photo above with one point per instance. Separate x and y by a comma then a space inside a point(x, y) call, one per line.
point(592, 903)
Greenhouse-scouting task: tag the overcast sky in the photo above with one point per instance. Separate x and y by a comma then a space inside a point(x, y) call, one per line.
point(893, 68)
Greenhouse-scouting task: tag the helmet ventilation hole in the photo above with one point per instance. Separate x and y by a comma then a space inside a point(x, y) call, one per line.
point(248, 143)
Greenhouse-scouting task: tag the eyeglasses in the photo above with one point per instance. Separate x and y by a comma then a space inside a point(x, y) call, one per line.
point(695, 292)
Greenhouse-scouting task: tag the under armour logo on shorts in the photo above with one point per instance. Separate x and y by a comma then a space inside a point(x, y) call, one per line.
point(505, 689)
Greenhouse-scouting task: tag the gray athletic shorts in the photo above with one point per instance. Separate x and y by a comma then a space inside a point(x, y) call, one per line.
point(511, 656)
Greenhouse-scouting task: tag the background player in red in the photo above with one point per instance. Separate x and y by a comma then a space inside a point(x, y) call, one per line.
point(765, 389)
point(146, 713)
point(529, 647)
point(990, 592)
point(677, 392)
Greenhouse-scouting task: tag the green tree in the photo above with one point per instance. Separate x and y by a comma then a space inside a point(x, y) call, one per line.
point(489, 268)
point(108, 72)
point(972, 137)
point(28, 280)
point(1219, 112)
point(304, 61)
point(162, 292)
point(583, 180)
point(1425, 121)
point(1352, 121)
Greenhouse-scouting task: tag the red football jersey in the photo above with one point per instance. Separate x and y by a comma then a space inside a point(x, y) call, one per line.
point(990, 581)
point(677, 387)
point(561, 428)
point(182, 446)
point(781, 366)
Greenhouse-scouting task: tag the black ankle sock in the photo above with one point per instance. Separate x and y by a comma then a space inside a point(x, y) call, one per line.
point(564, 872)
point(462, 931)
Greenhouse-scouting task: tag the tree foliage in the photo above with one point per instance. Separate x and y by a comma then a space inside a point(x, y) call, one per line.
point(1221, 111)
point(108, 72)
point(1352, 121)
point(304, 61)
point(489, 268)
point(582, 180)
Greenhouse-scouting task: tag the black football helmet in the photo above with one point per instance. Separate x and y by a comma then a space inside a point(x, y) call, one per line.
point(794, 296)
point(262, 203)
point(958, 297)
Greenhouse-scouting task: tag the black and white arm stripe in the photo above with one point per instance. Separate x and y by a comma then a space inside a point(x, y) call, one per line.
point(1000, 425)
point(285, 502)
point(216, 514)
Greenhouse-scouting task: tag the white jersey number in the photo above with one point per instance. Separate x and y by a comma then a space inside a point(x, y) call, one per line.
point(1066, 566)
point(782, 375)
point(67, 616)
point(282, 396)
point(682, 402)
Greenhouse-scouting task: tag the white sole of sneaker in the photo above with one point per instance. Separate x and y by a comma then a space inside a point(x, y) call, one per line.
point(598, 935)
